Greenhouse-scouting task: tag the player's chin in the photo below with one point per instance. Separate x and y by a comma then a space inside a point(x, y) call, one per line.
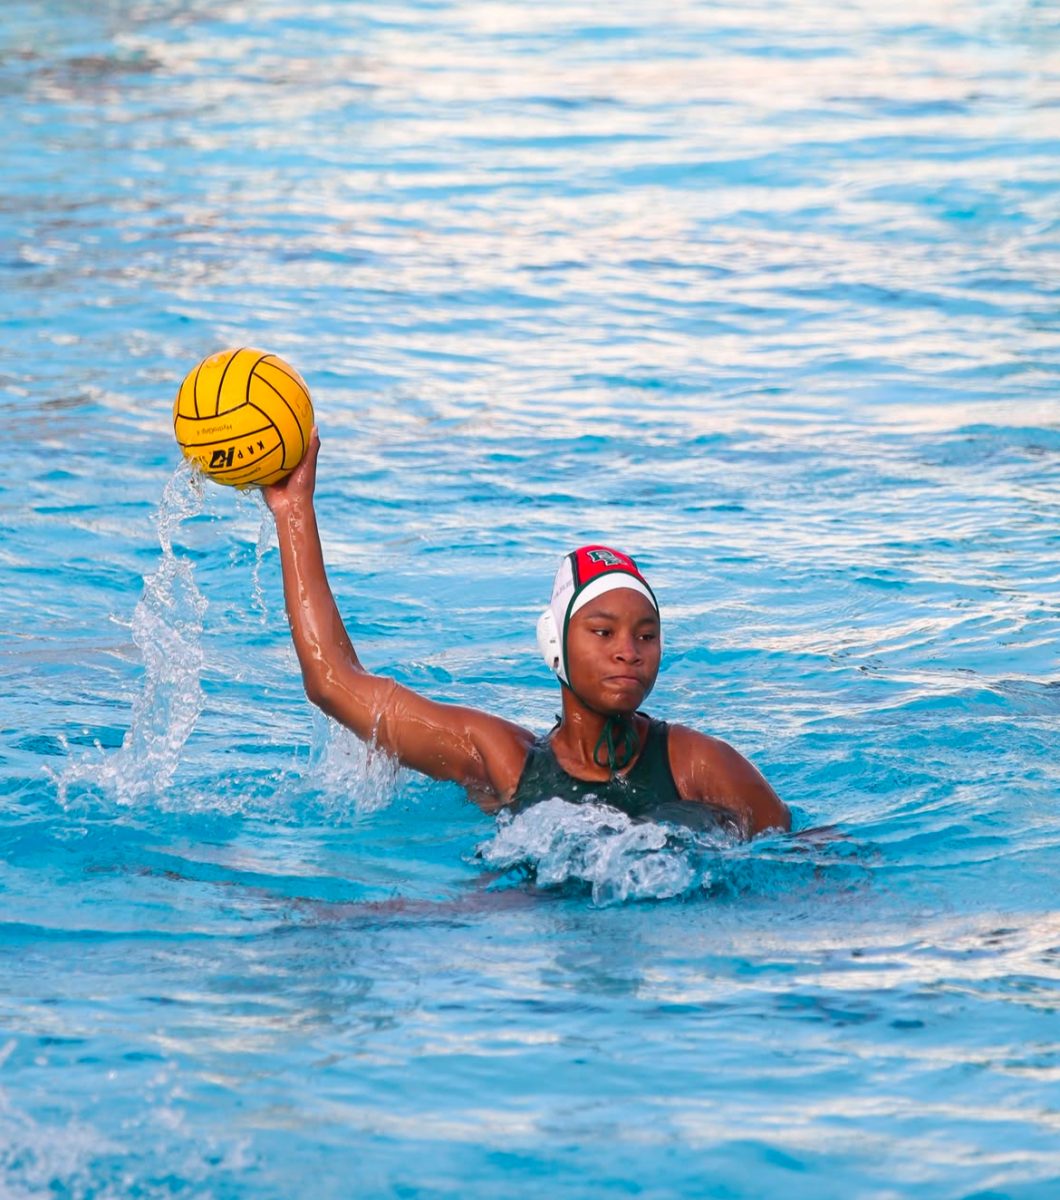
point(622, 696)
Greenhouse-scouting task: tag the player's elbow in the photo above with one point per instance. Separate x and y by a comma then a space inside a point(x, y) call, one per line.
point(318, 693)
point(760, 806)
point(763, 808)
point(324, 689)
point(771, 814)
point(353, 697)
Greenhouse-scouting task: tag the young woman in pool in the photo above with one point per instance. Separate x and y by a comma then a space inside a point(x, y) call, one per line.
point(600, 635)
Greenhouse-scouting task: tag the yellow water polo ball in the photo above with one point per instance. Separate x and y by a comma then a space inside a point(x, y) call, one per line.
point(243, 417)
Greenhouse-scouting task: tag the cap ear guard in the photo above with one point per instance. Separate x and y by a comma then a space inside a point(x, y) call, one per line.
point(548, 641)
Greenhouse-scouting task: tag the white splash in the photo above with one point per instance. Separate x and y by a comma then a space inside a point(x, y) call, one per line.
point(166, 626)
point(592, 843)
point(266, 528)
point(36, 1160)
point(68, 1157)
point(354, 777)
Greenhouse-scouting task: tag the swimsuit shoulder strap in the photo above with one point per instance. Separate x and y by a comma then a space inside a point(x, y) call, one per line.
point(541, 772)
point(652, 772)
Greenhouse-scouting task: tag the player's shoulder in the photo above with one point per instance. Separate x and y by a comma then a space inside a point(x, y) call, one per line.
point(709, 769)
point(707, 759)
point(685, 740)
point(501, 729)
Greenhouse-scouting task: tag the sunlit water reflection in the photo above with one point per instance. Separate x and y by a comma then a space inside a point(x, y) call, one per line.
point(766, 296)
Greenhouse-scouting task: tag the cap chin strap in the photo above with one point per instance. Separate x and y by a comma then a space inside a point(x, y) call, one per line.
point(619, 738)
point(627, 737)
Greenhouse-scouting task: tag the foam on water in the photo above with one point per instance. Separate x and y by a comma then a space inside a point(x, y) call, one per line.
point(594, 844)
point(76, 1160)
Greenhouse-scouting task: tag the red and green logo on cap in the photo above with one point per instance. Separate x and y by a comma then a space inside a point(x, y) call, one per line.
point(589, 562)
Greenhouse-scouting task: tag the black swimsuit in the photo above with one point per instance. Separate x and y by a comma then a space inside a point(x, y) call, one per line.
point(647, 791)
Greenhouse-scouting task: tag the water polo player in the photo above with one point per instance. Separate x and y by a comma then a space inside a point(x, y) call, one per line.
point(601, 637)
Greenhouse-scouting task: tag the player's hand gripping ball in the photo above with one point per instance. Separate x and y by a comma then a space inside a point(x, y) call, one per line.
point(243, 417)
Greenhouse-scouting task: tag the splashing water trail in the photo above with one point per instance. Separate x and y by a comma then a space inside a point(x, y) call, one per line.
point(250, 504)
point(167, 626)
point(355, 778)
point(594, 844)
point(261, 547)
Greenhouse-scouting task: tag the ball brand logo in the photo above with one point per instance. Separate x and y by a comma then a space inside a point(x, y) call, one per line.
point(224, 458)
point(604, 556)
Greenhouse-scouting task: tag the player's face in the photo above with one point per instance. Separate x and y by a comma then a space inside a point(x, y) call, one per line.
point(613, 651)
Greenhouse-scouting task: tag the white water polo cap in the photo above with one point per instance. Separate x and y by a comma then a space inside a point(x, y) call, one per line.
point(584, 574)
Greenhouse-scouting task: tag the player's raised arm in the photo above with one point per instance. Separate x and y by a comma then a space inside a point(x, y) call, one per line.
point(481, 752)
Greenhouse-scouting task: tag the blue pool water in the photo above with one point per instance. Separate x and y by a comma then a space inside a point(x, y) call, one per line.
point(765, 294)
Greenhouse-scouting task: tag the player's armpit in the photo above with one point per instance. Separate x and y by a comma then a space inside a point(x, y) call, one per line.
point(483, 753)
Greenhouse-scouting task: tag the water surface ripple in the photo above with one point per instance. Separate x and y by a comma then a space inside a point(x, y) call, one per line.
point(765, 295)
